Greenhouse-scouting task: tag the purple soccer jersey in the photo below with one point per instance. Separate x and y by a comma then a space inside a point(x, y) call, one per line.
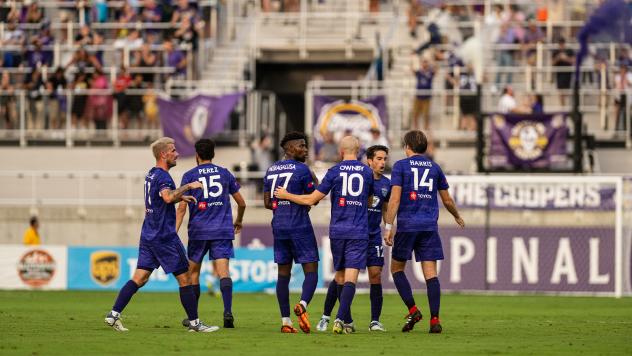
point(212, 217)
point(420, 179)
point(381, 194)
point(160, 217)
point(350, 183)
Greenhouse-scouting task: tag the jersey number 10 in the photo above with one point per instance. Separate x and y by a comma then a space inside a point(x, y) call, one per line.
point(206, 187)
point(347, 183)
point(424, 182)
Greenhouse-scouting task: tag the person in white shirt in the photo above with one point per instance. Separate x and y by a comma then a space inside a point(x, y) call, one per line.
point(507, 103)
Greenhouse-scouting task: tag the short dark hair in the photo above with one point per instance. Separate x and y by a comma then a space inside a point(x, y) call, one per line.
point(291, 136)
point(416, 141)
point(371, 151)
point(205, 149)
point(33, 220)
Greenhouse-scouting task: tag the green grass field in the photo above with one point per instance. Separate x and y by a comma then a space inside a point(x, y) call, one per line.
point(42, 323)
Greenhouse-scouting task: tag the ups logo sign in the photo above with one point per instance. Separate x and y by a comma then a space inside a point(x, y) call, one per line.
point(105, 267)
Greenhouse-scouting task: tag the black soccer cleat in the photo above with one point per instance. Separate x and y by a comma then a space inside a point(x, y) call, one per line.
point(435, 326)
point(412, 319)
point(229, 321)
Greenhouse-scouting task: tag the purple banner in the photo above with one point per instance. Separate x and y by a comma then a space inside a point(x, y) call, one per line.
point(528, 141)
point(186, 121)
point(534, 259)
point(335, 118)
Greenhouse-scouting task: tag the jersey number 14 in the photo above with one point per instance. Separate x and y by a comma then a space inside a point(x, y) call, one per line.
point(424, 182)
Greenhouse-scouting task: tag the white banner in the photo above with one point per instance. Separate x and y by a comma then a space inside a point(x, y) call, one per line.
point(36, 267)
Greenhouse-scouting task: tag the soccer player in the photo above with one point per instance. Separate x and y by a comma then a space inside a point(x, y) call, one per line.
point(294, 239)
point(211, 227)
point(160, 245)
point(350, 183)
point(415, 182)
point(376, 158)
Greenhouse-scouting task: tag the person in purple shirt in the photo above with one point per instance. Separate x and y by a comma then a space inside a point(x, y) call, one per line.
point(175, 59)
point(415, 182)
point(376, 157)
point(211, 228)
point(294, 239)
point(160, 245)
point(351, 185)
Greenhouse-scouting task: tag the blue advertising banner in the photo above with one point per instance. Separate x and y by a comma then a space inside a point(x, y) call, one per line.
point(109, 268)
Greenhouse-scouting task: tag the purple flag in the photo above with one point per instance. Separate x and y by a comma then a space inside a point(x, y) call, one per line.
point(528, 141)
point(186, 121)
point(337, 117)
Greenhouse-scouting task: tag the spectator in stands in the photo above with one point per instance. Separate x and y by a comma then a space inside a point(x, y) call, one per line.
point(127, 16)
point(150, 109)
point(537, 106)
point(563, 57)
point(505, 56)
point(132, 41)
point(79, 99)
point(34, 85)
point(328, 152)
point(85, 37)
point(421, 106)
point(146, 59)
point(46, 38)
point(122, 81)
point(151, 14)
point(532, 36)
point(507, 103)
point(84, 61)
point(176, 59)
point(56, 108)
point(13, 36)
point(493, 22)
point(8, 114)
point(623, 84)
point(414, 11)
point(31, 236)
point(376, 138)
point(33, 14)
point(186, 32)
point(134, 102)
point(99, 105)
point(262, 152)
point(468, 101)
point(183, 10)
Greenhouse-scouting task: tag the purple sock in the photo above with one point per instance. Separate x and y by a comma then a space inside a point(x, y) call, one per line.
point(283, 295)
point(403, 288)
point(196, 290)
point(189, 301)
point(434, 295)
point(125, 295)
point(346, 298)
point(309, 286)
point(376, 301)
point(226, 286)
point(330, 299)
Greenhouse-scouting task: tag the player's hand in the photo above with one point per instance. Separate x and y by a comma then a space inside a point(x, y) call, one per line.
point(280, 193)
point(189, 199)
point(237, 225)
point(388, 238)
point(460, 221)
point(195, 185)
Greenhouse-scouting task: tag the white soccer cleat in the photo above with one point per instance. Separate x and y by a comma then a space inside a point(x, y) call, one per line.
point(115, 322)
point(200, 327)
point(349, 328)
point(376, 326)
point(323, 324)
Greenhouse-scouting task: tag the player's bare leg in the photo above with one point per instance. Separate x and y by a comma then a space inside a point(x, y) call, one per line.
point(221, 267)
point(343, 322)
point(310, 270)
point(375, 280)
point(429, 269)
point(113, 319)
point(283, 297)
point(190, 303)
point(406, 293)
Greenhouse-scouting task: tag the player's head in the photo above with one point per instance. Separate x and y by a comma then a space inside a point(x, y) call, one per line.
point(204, 150)
point(376, 157)
point(349, 146)
point(34, 222)
point(294, 145)
point(164, 150)
point(415, 142)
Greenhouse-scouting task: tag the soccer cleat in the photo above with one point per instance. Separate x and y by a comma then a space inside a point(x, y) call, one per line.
point(338, 326)
point(322, 324)
point(115, 322)
point(288, 329)
point(200, 327)
point(303, 317)
point(376, 326)
point(435, 326)
point(349, 328)
point(412, 319)
point(229, 321)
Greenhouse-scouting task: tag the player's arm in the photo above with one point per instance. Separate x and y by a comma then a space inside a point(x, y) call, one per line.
point(182, 209)
point(315, 180)
point(267, 201)
point(171, 196)
point(451, 206)
point(241, 209)
point(305, 199)
point(391, 212)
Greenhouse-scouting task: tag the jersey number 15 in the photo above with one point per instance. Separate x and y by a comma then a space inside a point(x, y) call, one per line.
point(206, 187)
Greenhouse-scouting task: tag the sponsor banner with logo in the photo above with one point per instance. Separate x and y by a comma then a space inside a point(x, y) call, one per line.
point(528, 141)
point(542, 259)
point(186, 121)
point(37, 267)
point(108, 268)
point(335, 118)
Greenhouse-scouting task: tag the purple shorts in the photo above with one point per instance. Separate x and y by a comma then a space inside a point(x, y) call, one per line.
point(425, 244)
point(170, 255)
point(349, 253)
point(216, 249)
point(298, 249)
point(375, 254)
